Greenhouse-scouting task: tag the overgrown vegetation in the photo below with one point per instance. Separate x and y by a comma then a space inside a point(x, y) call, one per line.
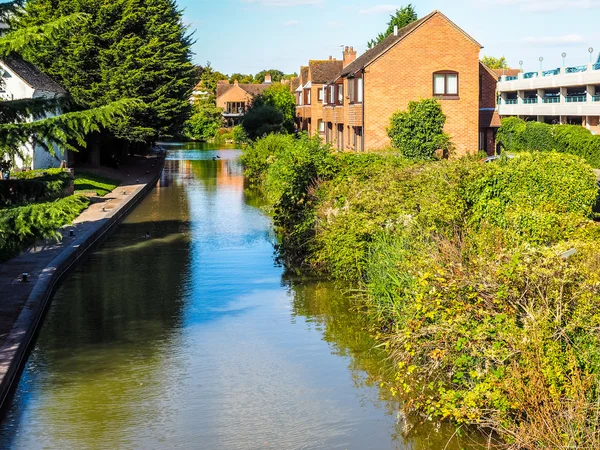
point(273, 111)
point(461, 269)
point(21, 226)
point(518, 135)
point(205, 121)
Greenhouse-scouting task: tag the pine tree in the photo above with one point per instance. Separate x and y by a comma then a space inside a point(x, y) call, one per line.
point(128, 49)
point(26, 120)
point(400, 19)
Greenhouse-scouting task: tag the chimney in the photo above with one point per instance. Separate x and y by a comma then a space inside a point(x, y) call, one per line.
point(395, 30)
point(330, 58)
point(268, 78)
point(349, 55)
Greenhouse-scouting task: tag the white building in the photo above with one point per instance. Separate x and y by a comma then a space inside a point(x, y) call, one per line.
point(22, 80)
point(563, 95)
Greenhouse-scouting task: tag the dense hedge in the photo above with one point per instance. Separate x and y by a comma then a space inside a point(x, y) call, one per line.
point(34, 186)
point(461, 269)
point(520, 136)
point(21, 226)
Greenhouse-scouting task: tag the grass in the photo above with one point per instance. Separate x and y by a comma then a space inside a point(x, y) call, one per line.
point(91, 182)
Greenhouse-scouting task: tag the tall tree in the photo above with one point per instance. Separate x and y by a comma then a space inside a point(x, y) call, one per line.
point(26, 120)
point(403, 16)
point(241, 78)
point(495, 63)
point(128, 49)
point(210, 78)
point(276, 76)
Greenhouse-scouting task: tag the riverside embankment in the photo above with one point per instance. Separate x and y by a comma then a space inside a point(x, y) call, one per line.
point(23, 303)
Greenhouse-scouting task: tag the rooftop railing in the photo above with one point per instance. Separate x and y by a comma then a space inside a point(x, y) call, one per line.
point(529, 101)
point(510, 101)
point(575, 98)
point(548, 73)
point(551, 100)
point(511, 78)
point(530, 75)
point(576, 69)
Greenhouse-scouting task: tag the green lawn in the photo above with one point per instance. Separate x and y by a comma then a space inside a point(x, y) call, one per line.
point(91, 182)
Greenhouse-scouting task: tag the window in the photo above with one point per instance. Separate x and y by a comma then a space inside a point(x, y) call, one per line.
point(359, 90)
point(351, 90)
point(445, 83)
point(321, 94)
point(308, 102)
point(332, 94)
point(340, 94)
point(321, 126)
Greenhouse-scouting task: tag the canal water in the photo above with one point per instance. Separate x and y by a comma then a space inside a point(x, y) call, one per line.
point(196, 339)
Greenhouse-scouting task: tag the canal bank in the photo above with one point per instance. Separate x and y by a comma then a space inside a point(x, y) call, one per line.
point(24, 302)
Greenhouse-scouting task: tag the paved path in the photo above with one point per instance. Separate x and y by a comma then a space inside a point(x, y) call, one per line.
point(22, 304)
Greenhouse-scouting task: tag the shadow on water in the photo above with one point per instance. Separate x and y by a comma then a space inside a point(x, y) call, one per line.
point(194, 338)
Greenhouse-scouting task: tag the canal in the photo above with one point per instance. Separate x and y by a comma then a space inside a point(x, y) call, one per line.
point(195, 338)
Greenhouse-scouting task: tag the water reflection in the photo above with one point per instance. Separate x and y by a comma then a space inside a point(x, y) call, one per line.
point(191, 339)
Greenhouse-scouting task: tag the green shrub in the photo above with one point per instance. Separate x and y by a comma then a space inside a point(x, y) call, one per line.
point(419, 132)
point(34, 186)
point(21, 226)
point(239, 135)
point(519, 136)
point(260, 121)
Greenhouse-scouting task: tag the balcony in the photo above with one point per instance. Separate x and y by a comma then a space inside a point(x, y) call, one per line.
point(549, 73)
point(551, 100)
point(563, 77)
point(530, 101)
point(511, 78)
point(596, 98)
point(575, 99)
point(529, 75)
point(510, 101)
point(576, 69)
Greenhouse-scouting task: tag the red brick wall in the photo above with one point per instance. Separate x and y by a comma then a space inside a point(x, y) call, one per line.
point(488, 88)
point(405, 73)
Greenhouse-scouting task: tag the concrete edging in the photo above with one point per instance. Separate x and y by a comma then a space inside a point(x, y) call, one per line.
point(16, 345)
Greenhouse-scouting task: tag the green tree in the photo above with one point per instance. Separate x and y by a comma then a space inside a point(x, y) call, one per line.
point(205, 122)
point(495, 63)
point(403, 16)
point(281, 98)
point(128, 49)
point(241, 78)
point(276, 76)
point(49, 122)
point(419, 132)
point(262, 120)
point(210, 78)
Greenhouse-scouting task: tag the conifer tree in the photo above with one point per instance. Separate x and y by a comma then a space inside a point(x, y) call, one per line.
point(128, 49)
point(26, 120)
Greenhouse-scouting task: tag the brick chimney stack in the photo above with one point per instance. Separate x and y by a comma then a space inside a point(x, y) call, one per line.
point(349, 55)
point(268, 79)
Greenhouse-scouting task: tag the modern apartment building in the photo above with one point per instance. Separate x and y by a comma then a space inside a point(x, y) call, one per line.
point(431, 57)
point(563, 95)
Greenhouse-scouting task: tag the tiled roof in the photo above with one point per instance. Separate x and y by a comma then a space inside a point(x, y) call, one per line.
point(252, 89)
point(295, 83)
point(372, 54)
point(322, 71)
point(303, 74)
point(489, 118)
point(507, 72)
point(31, 75)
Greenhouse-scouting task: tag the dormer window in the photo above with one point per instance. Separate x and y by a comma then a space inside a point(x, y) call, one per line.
point(445, 84)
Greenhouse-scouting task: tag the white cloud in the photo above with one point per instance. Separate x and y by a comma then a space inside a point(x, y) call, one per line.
point(291, 23)
point(567, 39)
point(284, 2)
point(378, 9)
point(549, 5)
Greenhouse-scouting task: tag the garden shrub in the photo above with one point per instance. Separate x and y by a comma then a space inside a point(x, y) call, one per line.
point(34, 186)
point(21, 226)
point(519, 136)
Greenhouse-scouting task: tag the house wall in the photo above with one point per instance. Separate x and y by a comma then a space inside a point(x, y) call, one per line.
point(235, 94)
point(405, 73)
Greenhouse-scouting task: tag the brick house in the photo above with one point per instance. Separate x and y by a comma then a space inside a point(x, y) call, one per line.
point(235, 99)
point(309, 94)
point(431, 57)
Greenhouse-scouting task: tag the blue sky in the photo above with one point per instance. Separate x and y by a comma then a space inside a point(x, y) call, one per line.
point(248, 36)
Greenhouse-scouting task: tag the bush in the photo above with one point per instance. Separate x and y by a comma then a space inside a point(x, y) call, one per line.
point(205, 121)
point(34, 186)
point(239, 135)
point(21, 226)
point(419, 132)
point(519, 136)
point(260, 121)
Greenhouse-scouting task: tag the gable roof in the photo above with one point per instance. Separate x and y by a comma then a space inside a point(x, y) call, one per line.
point(295, 83)
point(322, 71)
point(372, 54)
point(31, 75)
point(303, 74)
point(251, 89)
